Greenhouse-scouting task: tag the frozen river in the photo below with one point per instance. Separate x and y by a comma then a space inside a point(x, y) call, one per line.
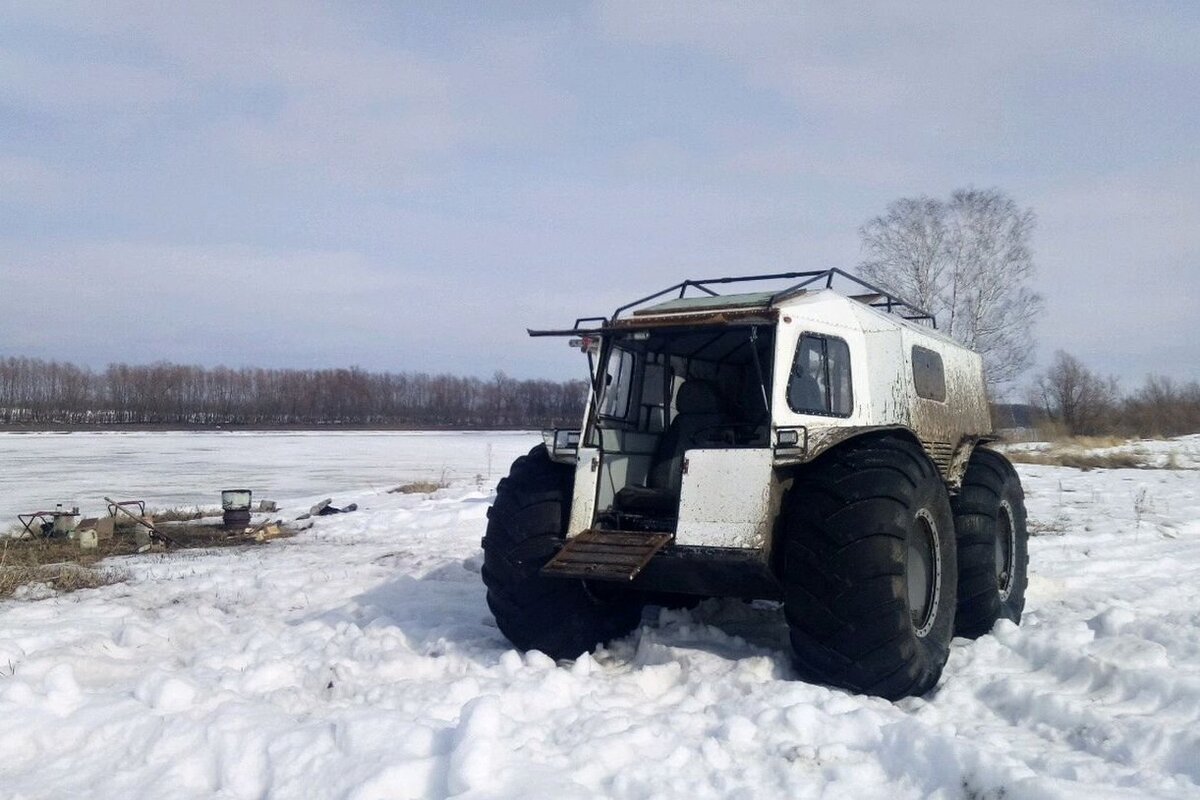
point(184, 469)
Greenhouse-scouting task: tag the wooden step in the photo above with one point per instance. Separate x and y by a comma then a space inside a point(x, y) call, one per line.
point(605, 555)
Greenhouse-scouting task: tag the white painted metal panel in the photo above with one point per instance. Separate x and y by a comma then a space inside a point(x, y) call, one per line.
point(887, 380)
point(881, 373)
point(727, 499)
point(827, 314)
point(583, 503)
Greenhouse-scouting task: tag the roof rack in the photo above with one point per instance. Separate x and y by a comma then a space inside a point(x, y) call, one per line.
point(876, 297)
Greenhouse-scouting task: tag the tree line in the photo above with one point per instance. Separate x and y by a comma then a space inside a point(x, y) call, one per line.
point(1081, 401)
point(37, 392)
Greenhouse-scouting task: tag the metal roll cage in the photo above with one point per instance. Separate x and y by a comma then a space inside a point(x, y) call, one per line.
point(877, 297)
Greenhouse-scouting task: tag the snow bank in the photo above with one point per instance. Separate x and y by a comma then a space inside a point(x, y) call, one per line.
point(359, 660)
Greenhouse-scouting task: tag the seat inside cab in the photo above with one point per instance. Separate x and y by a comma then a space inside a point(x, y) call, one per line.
point(664, 392)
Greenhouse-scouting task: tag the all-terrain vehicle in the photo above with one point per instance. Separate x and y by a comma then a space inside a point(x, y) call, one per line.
point(806, 445)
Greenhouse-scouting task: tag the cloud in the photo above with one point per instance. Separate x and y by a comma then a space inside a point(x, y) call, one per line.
point(237, 305)
point(411, 186)
point(299, 85)
point(72, 89)
point(1119, 255)
point(32, 182)
point(953, 70)
point(791, 160)
point(1082, 111)
point(231, 304)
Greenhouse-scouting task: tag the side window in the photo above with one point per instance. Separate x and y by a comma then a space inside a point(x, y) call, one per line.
point(929, 377)
point(618, 380)
point(820, 378)
point(841, 400)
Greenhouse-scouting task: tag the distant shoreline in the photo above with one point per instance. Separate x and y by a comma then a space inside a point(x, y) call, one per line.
point(169, 428)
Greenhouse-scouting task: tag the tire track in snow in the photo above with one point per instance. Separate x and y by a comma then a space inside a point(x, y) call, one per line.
point(1109, 679)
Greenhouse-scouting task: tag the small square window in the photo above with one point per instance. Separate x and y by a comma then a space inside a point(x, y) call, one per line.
point(929, 376)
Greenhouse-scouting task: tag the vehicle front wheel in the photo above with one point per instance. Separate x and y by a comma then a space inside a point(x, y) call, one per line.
point(527, 524)
point(870, 568)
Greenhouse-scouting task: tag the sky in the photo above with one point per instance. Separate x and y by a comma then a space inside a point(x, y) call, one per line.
point(409, 186)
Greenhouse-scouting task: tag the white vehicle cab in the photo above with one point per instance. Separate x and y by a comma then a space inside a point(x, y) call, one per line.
point(805, 445)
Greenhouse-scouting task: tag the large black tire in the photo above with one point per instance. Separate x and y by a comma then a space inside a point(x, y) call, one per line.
point(526, 524)
point(869, 568)
point(993, 544)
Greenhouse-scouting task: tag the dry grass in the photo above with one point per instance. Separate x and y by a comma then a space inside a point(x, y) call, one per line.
point(190, 536)
point(14, 531)
point(63, 566)
point(419, 487)
point(41, 552)
point(1091, 442)
point(1054, 527)
point(182, 514)
point(1091, 452)
point(58, 577)
point(1050, 431)
point(58, 564)
point(1098, 452)
point(1078, 459)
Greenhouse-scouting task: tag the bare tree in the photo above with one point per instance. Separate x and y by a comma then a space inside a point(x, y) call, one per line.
point(968, 261)
point(907, 249)
point(1075, 396)
point(1163, 407)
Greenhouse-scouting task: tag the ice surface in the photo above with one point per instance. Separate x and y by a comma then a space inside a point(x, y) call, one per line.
point(184, 469)
point(359, 660)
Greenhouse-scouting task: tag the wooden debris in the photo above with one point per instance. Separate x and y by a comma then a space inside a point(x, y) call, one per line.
point(272, 531)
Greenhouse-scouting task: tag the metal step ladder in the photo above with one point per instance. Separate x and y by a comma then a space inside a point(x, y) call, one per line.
point(605, 555)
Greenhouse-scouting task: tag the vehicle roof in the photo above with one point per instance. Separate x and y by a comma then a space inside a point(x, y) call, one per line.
point(709, 303)
point(837, 308)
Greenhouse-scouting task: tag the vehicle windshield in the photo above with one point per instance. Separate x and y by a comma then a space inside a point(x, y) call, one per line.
point(643, 371)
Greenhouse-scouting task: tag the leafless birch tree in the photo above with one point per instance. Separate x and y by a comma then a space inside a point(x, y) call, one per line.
point(967, 260)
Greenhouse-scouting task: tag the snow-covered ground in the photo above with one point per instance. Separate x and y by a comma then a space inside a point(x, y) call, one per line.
point(359, 660)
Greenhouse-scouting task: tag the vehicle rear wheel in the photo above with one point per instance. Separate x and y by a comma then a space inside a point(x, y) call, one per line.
point(526, 525)
point(870, 569)
point(993, 544)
